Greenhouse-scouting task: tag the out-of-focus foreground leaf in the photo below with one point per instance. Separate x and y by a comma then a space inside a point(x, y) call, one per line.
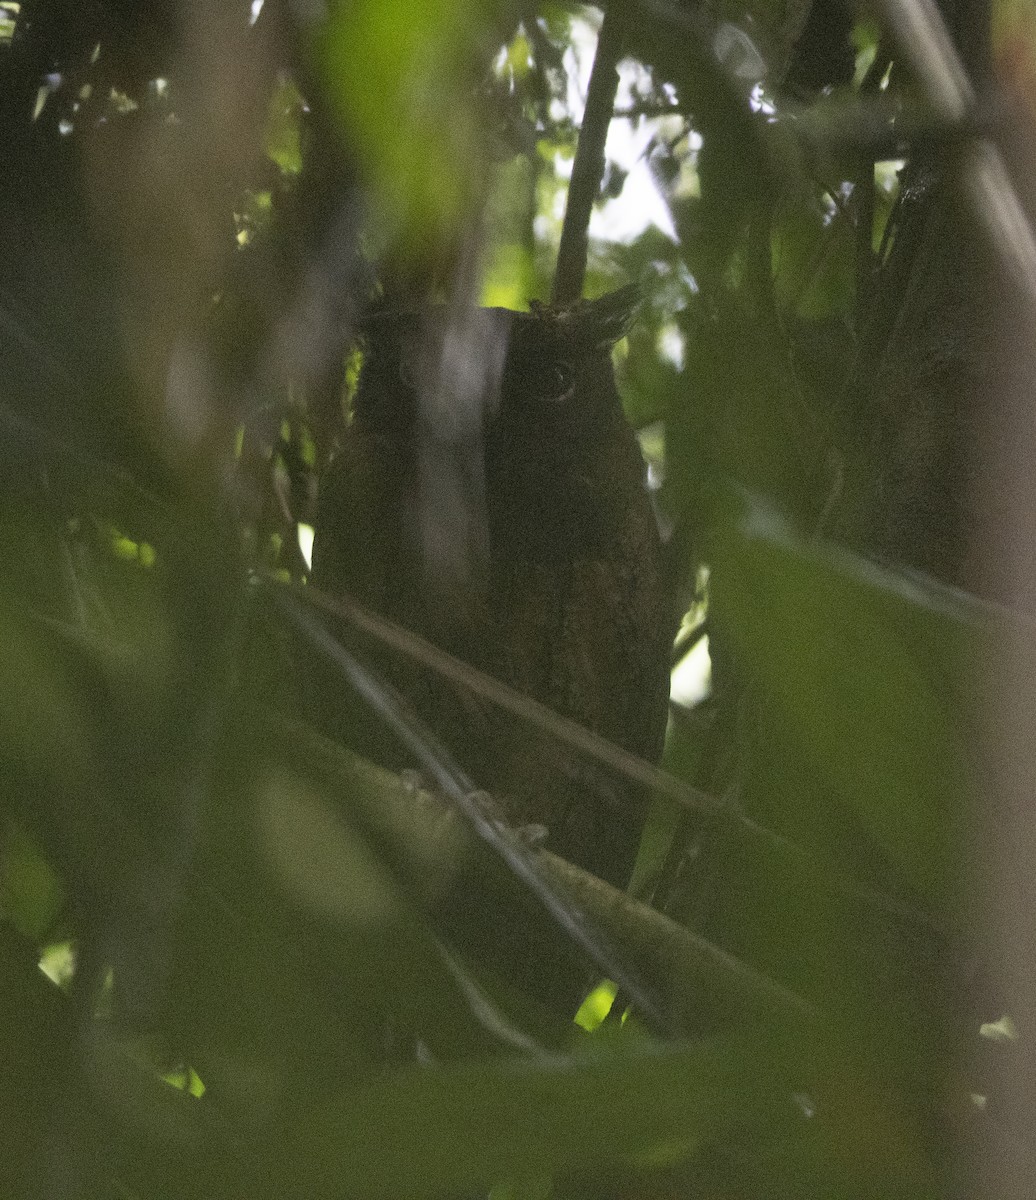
point(864, 665)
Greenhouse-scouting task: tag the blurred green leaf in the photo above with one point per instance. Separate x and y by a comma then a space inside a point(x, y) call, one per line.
point(400, 75)
point(31, 895)
point(862, 662)
point(424, 1132)
point(509, 279)
point(283, 143)
point(813, 262)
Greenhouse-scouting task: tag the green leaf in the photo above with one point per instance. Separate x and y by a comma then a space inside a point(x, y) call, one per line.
point(426, 1131)
point(863, 663)
point(398, 72)
point(282, 127)
point(813, 262)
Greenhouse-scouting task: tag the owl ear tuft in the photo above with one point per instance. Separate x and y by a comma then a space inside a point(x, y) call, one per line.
point(600, 323)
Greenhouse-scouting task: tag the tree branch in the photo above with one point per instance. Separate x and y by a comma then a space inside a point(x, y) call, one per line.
point(588, 167)
point(584, 741)
point(672, 959)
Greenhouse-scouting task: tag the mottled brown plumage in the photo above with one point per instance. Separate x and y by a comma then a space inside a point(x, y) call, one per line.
point(542, 567)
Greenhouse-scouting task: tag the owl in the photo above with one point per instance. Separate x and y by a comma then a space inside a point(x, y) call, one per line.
point(490, 495)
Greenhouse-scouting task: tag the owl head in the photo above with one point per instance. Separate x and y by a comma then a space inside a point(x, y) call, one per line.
point(446, 366)
point(558, 365)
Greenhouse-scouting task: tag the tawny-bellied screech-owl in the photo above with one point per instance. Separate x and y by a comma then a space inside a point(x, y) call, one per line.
point(490, 495)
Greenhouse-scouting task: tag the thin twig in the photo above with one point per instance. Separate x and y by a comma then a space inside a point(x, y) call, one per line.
point(687, 639)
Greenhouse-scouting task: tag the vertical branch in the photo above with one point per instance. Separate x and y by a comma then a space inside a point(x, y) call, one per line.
point(588, 167)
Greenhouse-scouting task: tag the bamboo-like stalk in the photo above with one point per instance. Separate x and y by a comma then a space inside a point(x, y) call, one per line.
point(588, 168)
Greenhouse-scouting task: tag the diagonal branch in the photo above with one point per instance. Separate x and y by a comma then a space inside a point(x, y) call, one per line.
point(570, 732)
point(501, 840)
point(658, 949)
point(579, 738)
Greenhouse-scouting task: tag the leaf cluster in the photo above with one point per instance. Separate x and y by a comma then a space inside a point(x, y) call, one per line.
point(274, 969)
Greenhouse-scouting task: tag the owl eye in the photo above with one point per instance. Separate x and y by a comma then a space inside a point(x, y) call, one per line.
point(556, 382)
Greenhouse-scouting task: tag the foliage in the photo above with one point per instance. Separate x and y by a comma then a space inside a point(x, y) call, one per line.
point(274, 969)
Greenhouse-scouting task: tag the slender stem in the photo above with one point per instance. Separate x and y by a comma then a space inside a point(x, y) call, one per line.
point(588, 167)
